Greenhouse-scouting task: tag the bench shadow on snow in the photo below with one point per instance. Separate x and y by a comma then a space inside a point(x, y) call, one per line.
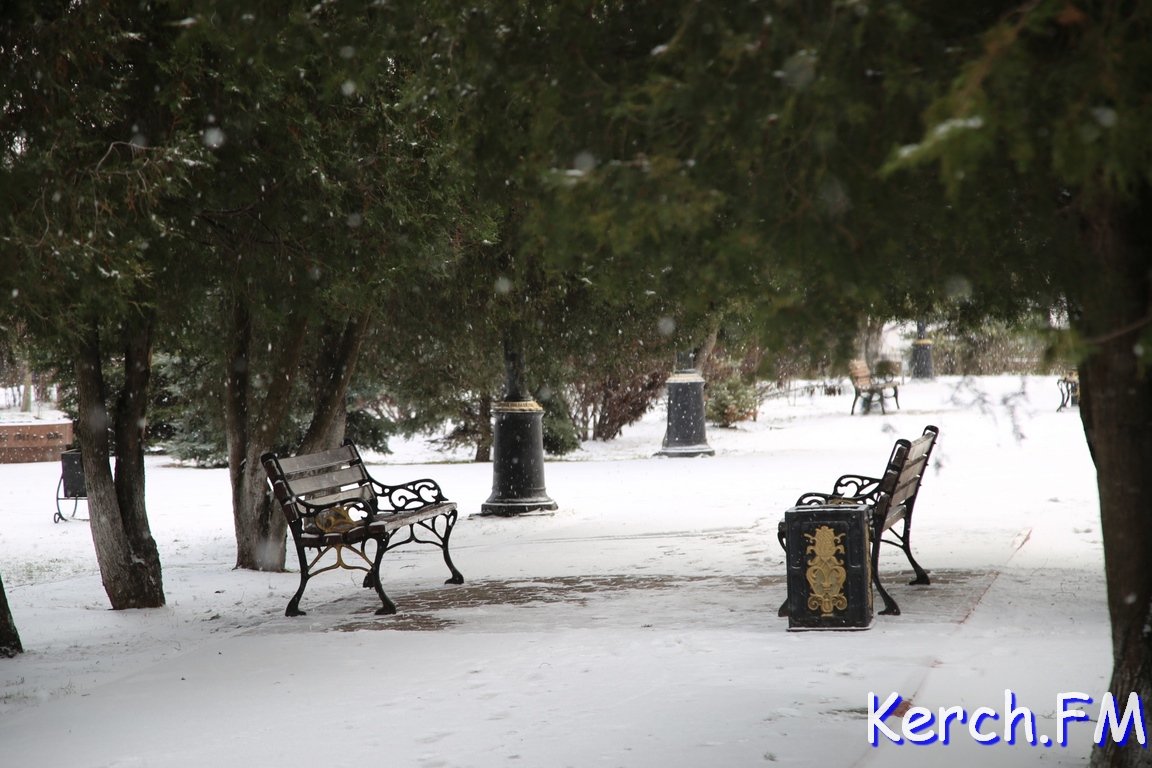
point(656, 602)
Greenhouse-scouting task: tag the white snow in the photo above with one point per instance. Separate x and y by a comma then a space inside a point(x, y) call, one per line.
point(635, 626)
point(940, 132)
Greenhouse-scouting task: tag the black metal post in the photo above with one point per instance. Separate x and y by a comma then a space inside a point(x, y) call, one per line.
point(922, 353)
point(517, 446)
point(685, 435)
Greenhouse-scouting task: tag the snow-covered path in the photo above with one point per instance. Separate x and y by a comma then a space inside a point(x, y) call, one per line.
point(635, 626)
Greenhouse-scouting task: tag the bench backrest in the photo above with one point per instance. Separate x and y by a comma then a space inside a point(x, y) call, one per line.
point(910, 462)
point(303, 484)
point(859, 373)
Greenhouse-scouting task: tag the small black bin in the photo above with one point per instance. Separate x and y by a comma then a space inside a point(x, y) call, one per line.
point(829, 567)
point(72, 472)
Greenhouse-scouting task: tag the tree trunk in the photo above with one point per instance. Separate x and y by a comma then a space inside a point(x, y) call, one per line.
point(9, 637)
point(129, 429)
point(514, 389)
point(706, 349)
point(483, 430)
point(336, 364)
point(871, 336)
point(26, 394)
point(125, 550)
point(253, 428)
point(236, 396)
point(1116, 408)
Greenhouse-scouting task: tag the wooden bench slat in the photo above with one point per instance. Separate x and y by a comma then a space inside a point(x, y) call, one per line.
point(328, 482)
point(313, 461)
point(919, 450)
point(395, 520)
point(360, 494)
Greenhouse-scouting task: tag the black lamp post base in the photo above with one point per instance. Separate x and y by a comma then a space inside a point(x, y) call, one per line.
point(517, 461)
point(686, 432)
point(687, 451)
point(514, 507)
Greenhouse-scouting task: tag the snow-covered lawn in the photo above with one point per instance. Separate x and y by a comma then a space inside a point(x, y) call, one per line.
point(635, 626)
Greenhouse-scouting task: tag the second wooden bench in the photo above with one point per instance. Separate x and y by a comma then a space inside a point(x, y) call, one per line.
point(867, 390)
point(892, 497)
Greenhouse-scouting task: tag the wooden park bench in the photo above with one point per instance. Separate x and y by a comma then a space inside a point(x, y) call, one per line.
point(868, 390)
point(335, 507)
point(892, 498)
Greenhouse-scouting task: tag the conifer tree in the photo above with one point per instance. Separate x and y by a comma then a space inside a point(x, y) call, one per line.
point(1057, 92)
point(328, 205)
point(89, 242)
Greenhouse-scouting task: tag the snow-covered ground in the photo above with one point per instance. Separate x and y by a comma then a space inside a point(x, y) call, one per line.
point(635, 626)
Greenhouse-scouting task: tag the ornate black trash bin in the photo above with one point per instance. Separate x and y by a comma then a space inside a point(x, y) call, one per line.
point(72, 474)
point(71, 490)
point(829, 567)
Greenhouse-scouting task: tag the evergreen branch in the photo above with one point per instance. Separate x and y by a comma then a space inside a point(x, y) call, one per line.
point(1122, 331)
point(997, 43)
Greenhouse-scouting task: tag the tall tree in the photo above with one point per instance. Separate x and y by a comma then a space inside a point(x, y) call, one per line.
point(89, 239)
point(328, 201)
point(1058, 92)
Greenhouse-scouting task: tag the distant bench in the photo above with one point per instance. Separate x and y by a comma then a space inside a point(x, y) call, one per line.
point(892, 497)
point(334, 506)
point(867, 390)
point(1069, 385)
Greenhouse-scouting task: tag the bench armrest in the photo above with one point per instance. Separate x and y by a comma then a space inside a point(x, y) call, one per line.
point(858, 488)
point(411, 495)
point(816, 499)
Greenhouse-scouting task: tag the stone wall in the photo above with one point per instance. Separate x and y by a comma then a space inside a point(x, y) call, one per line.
point(33, 441)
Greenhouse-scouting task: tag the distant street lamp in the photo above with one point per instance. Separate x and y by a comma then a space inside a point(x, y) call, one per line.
point(517, 446)
point(685, 434)
point(922, 353)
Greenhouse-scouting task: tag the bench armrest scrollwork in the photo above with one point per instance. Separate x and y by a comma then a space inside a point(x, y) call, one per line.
point(856, 487)
point(412, 495)
point(848, 488)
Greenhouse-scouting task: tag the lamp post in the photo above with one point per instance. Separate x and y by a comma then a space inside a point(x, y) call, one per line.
point(922, 353)
point(517, 446)
point(685, 434)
